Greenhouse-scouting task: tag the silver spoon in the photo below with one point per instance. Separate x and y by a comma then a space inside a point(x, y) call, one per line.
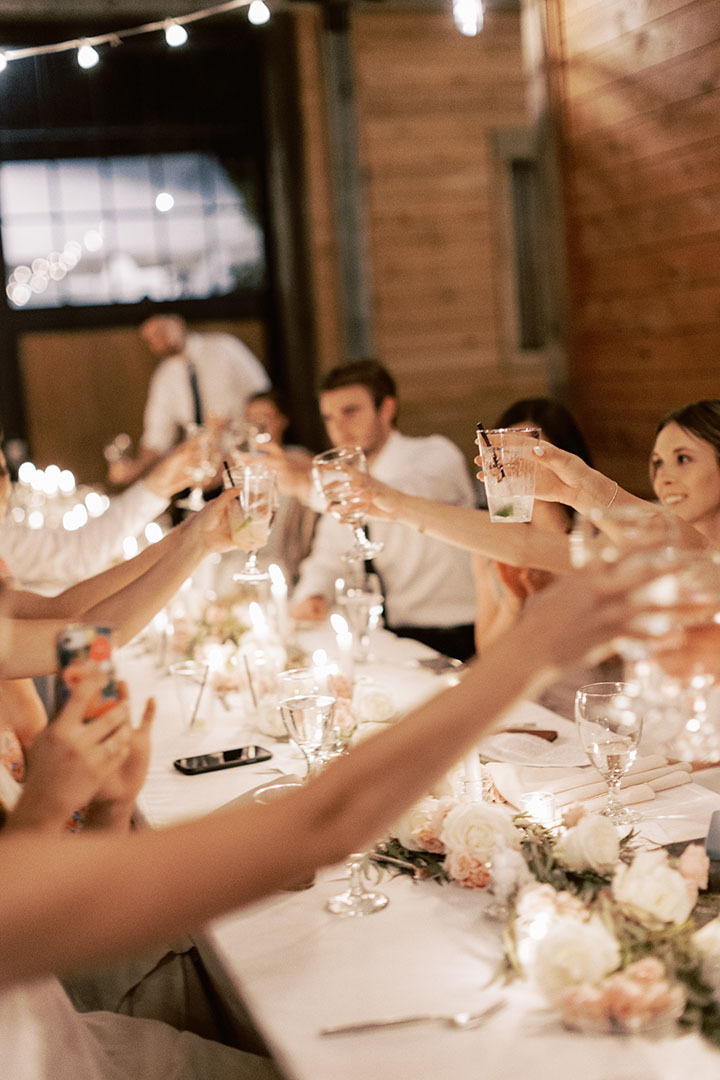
point(464, 1021)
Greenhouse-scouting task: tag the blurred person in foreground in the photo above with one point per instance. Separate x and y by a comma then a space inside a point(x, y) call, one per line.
point(428, 586)
point(120, 893)
point(202, 379)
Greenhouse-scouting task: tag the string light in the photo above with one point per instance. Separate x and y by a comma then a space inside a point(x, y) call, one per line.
point(469, 16)
point(258, 13)
point(175, 33)
point(85, 45)
point(87, 56)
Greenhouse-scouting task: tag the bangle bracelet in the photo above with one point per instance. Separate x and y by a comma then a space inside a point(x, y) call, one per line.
point(612, 499)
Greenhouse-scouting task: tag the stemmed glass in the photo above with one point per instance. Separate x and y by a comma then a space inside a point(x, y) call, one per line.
point(361, 603)
point(252, 518)
point(334, 473)
point(203, 467)
point(308, 719)
point(356, 900)
point(610, 724)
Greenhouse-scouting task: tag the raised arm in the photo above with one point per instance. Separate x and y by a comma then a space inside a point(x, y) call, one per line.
point(519, 545)
point(112, 887)
point(133, 604)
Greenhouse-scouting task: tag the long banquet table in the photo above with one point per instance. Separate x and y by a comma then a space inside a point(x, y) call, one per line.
point(432, 950)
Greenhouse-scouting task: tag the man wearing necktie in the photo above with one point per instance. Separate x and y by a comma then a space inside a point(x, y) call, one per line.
point(200, 377)
point(429, 592)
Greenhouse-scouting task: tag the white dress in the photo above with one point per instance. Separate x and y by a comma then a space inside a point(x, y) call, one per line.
point(43, 1038)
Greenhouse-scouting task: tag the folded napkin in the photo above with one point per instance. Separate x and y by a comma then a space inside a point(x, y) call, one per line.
point(645, 777)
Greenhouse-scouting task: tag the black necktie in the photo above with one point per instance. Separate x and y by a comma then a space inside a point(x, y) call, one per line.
point(197, 404)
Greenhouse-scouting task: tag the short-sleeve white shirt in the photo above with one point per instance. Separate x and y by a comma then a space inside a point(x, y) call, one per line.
point(227, 374)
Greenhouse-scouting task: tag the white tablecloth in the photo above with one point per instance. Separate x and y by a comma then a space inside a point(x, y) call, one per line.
point(299, 968)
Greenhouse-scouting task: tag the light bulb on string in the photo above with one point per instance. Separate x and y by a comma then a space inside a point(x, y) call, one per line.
point(258, 13)
point(175, 33)
point(87, 56)
point(469, 16)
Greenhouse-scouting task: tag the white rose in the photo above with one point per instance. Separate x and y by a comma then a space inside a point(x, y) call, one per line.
point(478, 828)
point(649, 887)
point(571, 953)
point(707, 940)
point(371, 704)
point(416, 822)
point(592, 844)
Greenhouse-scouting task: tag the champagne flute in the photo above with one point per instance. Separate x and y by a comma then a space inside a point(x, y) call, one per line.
point(252, 517)
point(610, 725)
point(333, 473)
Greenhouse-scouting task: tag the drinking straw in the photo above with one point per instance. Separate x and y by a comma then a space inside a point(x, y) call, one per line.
point(229, 474)
point(250, 682)
point(483, 435)
point(200, 694)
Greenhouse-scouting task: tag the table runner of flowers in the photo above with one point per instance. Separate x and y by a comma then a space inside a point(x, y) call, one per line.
point(606, 932)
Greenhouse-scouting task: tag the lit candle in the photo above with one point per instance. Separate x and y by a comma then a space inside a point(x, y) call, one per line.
point(345, 646)
point(259, 623)
point(279, 592)
point(540, 806)
point(473, 775)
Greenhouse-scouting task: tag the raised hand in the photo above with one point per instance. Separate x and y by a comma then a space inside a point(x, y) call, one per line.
point(71, 760)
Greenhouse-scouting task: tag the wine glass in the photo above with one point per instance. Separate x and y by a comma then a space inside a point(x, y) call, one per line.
point(202, 468)
point(361, 602)
point(252, 517)
point(334, 475)
point(308, 718)
point(610, 725)
point(356, 900)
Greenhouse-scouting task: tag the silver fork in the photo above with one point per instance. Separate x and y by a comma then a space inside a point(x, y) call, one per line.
point(464, 1021)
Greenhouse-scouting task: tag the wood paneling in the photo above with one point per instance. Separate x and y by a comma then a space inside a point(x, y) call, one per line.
point(639, 116)
point(84, 387)
point(428, 104)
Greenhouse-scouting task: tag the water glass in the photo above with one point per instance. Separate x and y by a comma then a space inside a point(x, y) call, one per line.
point(308, 719)
point(609, 719)
point(362, 606)
point(190, 679)
point(509, 467)
point(336, 475)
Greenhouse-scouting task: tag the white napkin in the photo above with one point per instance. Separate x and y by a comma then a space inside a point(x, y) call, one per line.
point(645, 777)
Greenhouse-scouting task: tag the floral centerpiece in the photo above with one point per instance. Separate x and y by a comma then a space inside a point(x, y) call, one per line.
point(606, 933)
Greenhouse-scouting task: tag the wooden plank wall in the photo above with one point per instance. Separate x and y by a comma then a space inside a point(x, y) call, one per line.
point(640, 123)
point(83, 387)
point(428, 103)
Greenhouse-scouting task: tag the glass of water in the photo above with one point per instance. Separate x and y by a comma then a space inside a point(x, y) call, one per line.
point(361, 603)
point(509, 468)
point(609, 720)
point(308, 719)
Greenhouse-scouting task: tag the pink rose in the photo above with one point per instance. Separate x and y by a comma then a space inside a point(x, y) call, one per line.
point(584, 1002)
point(572, 814)
point(648, 970)
point(695, 865)
point(428, 834)
point(467, 870)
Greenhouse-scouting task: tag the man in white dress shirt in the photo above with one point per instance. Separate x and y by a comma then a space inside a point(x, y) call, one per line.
point(428, 585)
point(200, 377)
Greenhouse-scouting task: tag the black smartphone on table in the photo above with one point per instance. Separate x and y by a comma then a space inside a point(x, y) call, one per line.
point(221, 759)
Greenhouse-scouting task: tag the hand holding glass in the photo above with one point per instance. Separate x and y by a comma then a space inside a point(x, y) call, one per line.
point(203, 468)
point(253, 515)
point(336, 476)
point(610, 724)
point(509, 467)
